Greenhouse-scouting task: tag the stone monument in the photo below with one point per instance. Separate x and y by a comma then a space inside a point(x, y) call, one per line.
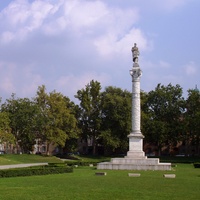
point(135, 159)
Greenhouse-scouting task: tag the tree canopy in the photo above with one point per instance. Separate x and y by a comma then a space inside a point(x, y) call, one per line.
point(116, 118)
point(102, 119)
point(58, 121)
point(90, 111)
point(164, 114)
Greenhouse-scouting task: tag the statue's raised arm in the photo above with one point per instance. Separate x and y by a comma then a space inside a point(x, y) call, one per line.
point(135, 53)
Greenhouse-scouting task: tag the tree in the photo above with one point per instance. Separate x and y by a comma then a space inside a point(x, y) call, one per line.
point(90, 112)
point(58, 121)
point(23, 116)
point(165, 107)
point(116, 119)
point(6, 136)
point(192, 119)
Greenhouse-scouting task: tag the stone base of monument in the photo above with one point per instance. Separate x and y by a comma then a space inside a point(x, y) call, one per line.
point(135, 159)
point(137, 163)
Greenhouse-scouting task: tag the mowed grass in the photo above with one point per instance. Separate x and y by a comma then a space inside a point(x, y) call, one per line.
point(83, 184)
point(9, 159)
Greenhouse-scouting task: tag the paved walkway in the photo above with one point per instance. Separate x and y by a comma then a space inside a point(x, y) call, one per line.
point(21, 165)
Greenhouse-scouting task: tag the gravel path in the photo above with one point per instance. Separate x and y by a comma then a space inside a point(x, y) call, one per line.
point(21, 165)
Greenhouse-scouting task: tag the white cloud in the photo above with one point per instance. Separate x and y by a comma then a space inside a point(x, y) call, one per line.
point(6, 77)
point(171, 4)
point(17, 80)
point(7, 37)
point(190, 69)
point(108, 30)
point(166, 5)
point(164, 64)
point(70, 84)
point(66, 40)
point(109, 44)
point(80, 17)
point(149, 65)
point(20, 18)
point(7, 85)
point(84, 13)
point(32, 81)
point(77, 16)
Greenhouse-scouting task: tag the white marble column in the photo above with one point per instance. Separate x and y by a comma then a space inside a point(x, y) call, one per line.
point(136, 115)
point(136, 137)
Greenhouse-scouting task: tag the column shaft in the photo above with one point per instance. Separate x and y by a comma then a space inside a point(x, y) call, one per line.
point(136, 115)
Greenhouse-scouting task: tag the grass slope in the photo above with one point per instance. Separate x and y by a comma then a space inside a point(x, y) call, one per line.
point(82, 184)
point(9, 159)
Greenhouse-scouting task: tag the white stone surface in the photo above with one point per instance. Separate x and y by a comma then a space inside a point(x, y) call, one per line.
point(169, 175)
point(136, 106)
point(141, 165)
point(134, 175)
point(135, 143)
point(136, 146)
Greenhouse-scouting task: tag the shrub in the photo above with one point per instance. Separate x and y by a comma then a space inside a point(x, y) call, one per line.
point(56, 165)
point(32, 171)
point(196, 165)
point(80, 163)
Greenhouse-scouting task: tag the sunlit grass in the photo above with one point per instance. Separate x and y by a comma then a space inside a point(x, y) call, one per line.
point(83, 184)
point(8, 159)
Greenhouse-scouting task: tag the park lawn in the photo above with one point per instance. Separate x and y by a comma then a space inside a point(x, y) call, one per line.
point(9, 159)
point(83, 184)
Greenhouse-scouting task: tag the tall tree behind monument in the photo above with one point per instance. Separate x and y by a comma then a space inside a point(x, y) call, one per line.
point(90, 119)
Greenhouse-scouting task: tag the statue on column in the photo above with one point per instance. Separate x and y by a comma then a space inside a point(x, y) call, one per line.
point(135, 53)
point(136, 71)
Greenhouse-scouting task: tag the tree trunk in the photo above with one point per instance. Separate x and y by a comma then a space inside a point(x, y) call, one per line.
point(47, 151)
point(94, 145)
point(159, 149)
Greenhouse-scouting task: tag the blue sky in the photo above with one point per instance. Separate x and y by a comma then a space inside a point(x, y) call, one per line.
point(64, 44)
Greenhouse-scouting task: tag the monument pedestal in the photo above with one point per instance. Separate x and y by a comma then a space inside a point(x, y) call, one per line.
point(135, 146)
point(134, 164)
point(135, 159)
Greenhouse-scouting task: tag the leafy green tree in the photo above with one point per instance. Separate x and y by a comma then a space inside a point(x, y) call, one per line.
point(116, 119)
point(6, 136)
point(23, 116)
point(71, 144)
point(58, 120)
point(164, 114)
point(145, 116)
point(192, 119)
point(90, 112)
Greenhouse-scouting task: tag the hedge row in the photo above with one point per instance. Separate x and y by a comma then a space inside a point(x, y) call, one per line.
point(56, 165)
point(197, 165)
point(81, 163)
point(32, 171)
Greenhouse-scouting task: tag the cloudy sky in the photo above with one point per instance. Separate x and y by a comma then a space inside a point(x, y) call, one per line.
point(64, 44)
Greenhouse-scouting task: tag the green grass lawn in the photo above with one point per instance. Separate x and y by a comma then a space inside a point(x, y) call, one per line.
point(8, 159)
point(82, 184)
